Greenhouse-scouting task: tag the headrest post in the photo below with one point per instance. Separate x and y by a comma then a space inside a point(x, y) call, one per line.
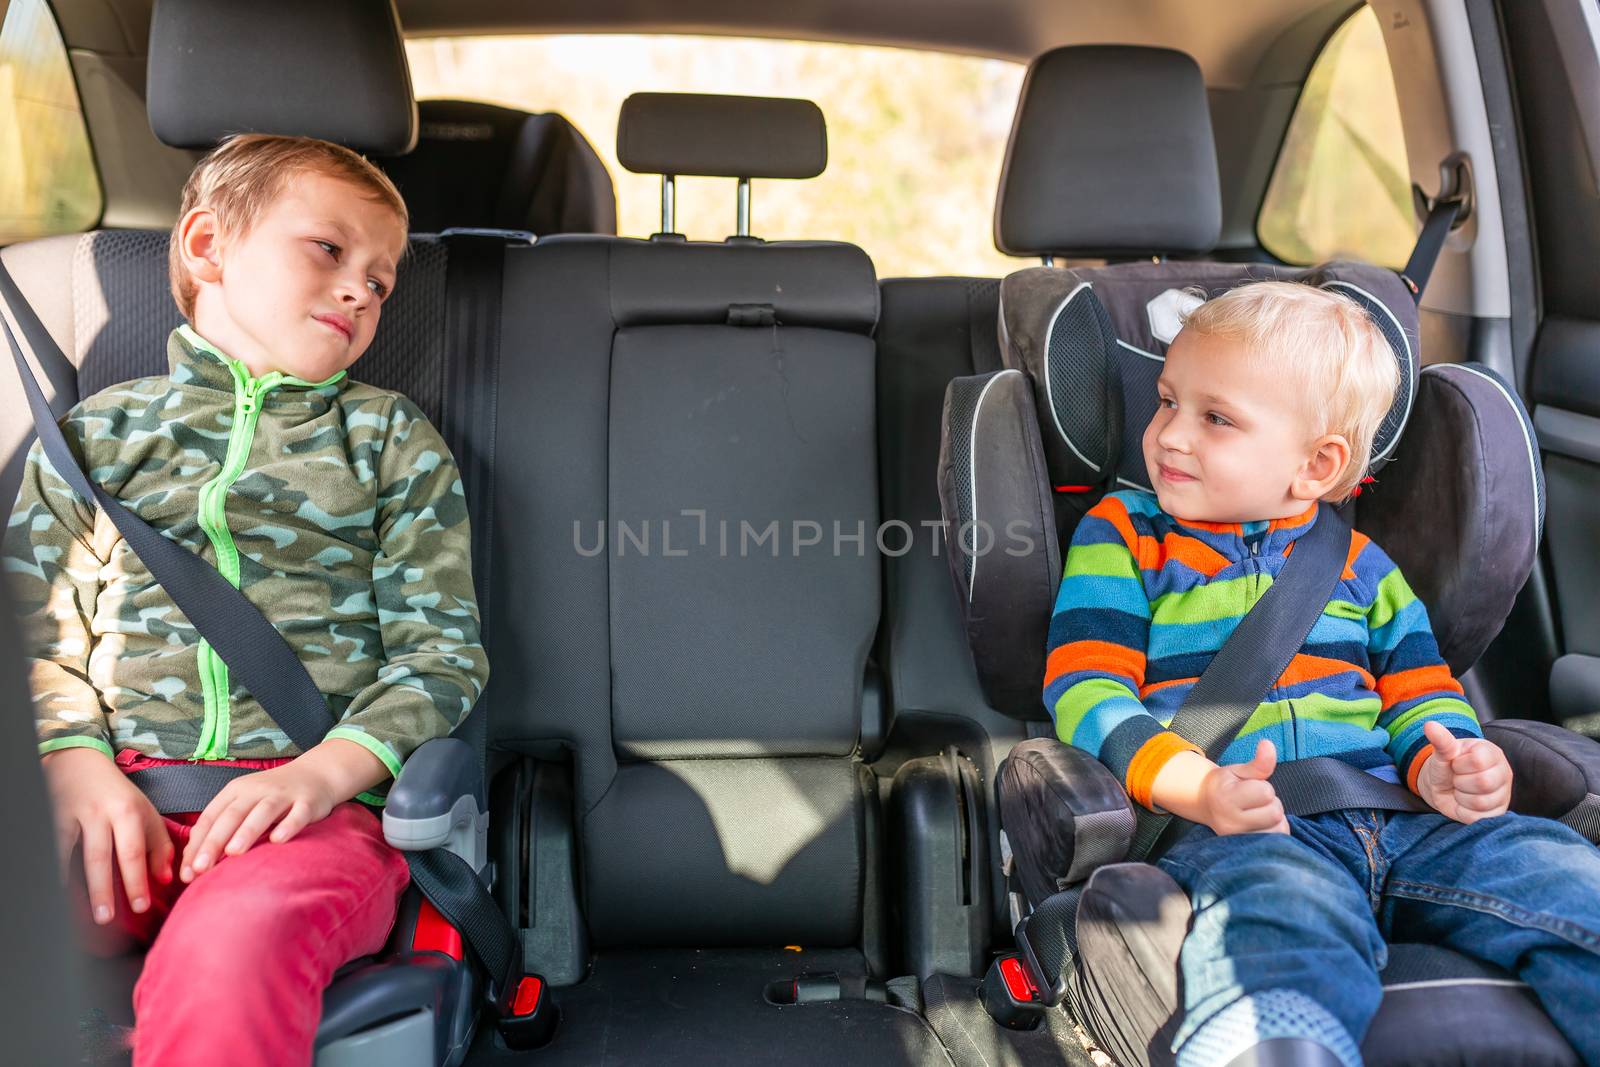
point(1048, 260)
point(742, 214)
point(668, 205)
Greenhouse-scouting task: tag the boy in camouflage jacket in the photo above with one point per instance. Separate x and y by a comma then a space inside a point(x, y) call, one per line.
point(337, 509)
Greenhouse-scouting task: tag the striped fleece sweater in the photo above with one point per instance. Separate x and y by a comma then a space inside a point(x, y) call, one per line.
point(1148, 600)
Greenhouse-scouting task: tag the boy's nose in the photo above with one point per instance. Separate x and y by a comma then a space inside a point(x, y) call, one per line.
point(1172, 438)
point(353, 293)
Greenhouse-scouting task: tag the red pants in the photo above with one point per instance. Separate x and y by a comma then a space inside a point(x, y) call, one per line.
point(239, 958)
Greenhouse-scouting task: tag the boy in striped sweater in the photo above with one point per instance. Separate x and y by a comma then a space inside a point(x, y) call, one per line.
point(1270, 399)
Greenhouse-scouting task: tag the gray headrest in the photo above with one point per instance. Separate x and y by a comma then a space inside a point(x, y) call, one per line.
point(310, 68)
point(486, 166)
point(1111, 154)
point(722, 136)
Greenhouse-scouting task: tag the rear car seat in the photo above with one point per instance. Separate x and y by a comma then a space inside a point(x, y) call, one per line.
point(483, 166)
point(676, 401)
point(1471, 460)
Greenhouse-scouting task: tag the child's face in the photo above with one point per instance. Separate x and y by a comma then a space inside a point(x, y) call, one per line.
point(1229, 444)
point(301, 291)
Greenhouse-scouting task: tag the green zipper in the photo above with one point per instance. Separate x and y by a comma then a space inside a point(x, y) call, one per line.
point(248, 394)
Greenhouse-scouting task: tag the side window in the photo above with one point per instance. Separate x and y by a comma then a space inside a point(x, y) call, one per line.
point(1341, 187)
point(47, 178)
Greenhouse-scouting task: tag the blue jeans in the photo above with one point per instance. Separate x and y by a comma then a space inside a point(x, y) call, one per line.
point(1288, 933)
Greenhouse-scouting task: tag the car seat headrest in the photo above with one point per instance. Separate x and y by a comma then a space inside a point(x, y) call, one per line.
point(722, 136)
point(1111, 155)
point(298, 67)
point(1086, 336)
point(481, 165)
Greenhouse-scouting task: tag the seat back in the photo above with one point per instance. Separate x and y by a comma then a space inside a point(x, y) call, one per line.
point(692, 589)
point(484, 166)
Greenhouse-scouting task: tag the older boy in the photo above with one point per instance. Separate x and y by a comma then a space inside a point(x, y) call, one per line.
point(1270, 399)
point(336, 508)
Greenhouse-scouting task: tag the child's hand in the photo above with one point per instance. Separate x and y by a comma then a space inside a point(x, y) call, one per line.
point(94, 800)
point(1238, 799)
point(1465, 779)
point(284, 800)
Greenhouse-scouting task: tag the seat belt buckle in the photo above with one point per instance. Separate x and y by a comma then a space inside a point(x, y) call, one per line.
point(1011, 995)
point(530, 1016)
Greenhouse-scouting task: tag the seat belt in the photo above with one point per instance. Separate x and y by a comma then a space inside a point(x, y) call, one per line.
point(262, 661)
point(1239, 676)
point(1430, 242)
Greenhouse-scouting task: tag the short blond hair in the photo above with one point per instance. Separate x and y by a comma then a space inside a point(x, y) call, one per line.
point(1324, 347)
point(244, 174)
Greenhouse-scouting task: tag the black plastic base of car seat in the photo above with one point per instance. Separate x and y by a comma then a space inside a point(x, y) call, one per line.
point(1287, 1052)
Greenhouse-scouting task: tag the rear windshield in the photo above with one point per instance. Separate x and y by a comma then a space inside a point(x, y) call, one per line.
point(915, 139)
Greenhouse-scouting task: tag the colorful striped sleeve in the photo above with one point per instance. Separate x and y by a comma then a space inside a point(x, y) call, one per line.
point(1099, 633)
point(1412, 680)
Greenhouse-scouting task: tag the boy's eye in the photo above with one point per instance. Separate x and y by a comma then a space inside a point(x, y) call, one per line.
point(379, 290)
point(329, 247)
point(1168, 402)
point(1217, 420)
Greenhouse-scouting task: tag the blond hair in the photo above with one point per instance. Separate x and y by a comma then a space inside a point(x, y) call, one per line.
point(244, 174)
point(1324, 348)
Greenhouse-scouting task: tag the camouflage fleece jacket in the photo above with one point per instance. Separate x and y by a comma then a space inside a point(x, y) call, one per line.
point(334, 506)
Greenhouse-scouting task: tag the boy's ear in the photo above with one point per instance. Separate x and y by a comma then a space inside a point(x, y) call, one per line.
point(1326, 464)
point(200, 245)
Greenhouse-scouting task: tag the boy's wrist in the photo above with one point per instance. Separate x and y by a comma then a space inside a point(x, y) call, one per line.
point(1178, 788)
point(341, 769)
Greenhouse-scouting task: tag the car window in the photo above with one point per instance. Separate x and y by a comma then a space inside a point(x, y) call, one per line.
point(915, 139)
point(47, 178)
point(1341, 186)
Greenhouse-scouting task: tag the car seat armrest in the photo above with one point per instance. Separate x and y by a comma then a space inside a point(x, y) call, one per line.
point(437, 802)
point(1063, 814)
point(1555, 772)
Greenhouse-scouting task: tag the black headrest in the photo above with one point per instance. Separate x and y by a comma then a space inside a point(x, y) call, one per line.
point(1068, 329)
point(722, 136)
point(482, 165)
point(1111, 154)
point(336, 71)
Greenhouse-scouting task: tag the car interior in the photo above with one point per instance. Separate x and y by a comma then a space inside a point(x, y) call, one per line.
point(754, 684)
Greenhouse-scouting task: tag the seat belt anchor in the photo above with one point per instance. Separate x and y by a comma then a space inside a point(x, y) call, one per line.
point(530, 1016)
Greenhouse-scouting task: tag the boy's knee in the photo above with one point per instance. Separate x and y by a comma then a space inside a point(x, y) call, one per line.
point(1267, 1015)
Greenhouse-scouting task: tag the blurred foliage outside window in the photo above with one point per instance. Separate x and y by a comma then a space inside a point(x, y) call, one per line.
point(48, 183)
point(1342, 187)
point(915, 139)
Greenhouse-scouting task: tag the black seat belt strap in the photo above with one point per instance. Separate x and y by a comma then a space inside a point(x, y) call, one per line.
point(1256, 654)
point(1430, 242)
point(474, 275)
point(1321, 783)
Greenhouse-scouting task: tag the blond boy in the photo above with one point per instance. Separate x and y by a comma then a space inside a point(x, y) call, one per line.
point(1269, 402)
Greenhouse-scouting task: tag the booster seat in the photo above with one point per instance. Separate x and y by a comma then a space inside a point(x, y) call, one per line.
point(1457, 501)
